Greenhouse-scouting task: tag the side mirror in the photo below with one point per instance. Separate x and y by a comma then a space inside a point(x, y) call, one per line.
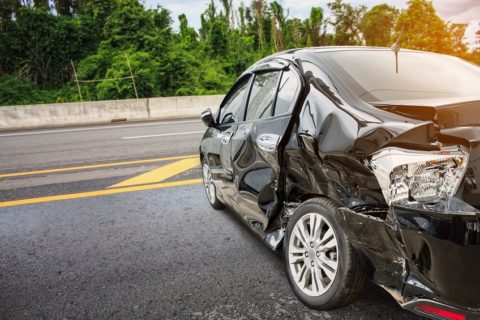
point(207, 118)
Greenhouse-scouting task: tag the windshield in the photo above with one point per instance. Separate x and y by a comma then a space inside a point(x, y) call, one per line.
point(371, 74)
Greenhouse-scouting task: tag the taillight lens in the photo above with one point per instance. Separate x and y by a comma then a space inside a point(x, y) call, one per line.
point(442, 313)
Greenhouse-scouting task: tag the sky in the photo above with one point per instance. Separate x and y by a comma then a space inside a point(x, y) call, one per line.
point(458, 11)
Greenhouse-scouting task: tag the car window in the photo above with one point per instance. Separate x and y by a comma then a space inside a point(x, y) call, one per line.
point(311, 69)
point(372, 74)
point(232, 110)
point(287, 93)
point(262, 96)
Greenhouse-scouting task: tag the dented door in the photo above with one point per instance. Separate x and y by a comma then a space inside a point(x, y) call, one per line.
point(257, 145)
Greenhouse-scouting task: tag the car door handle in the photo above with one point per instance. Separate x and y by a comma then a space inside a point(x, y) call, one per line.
point(226, 137)
point(268, 142)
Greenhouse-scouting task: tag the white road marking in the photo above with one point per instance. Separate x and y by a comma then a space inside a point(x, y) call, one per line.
point(117, 126)
point(163, 135)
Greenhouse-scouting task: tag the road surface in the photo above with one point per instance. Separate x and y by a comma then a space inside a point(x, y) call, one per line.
point(110, 222)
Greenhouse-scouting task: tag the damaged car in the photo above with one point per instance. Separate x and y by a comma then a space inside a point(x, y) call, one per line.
point(359, 163)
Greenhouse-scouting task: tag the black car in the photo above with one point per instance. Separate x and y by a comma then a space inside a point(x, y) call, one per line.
point(360, 164)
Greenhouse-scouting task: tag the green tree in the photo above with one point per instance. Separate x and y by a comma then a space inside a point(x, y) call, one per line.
point(40, 46)
point(188, 35)
point(423, 29)
point(278, 26)
point(214, 31)
point(459, 48)
point(228, 7)
point(476, 52)
point(8, 8)
point(131, 26)
point(99, 10)
point(14, 91)
point(146, 81)
point(41, 4)
point(146, 36)
point(258, 7)
point(242, 17)
point(296, 33)
point(345, 20)
point(64, 7)
point(315, 24)
point(38, 38)
point(477, 38)
point(377, 25)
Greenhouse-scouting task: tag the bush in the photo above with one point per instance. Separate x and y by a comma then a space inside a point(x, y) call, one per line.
point(18, 92)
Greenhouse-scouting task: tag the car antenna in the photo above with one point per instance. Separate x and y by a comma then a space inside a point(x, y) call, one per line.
point(396, 49)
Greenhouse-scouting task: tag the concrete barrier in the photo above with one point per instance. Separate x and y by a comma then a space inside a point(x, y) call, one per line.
point(174, 107)
point(65, 114)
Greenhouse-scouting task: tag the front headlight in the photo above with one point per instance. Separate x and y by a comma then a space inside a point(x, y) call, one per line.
point(419, 176)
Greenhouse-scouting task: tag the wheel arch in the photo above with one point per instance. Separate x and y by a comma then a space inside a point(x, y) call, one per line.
point(340, 217)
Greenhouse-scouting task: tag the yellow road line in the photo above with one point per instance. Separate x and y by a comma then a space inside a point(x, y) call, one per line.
point(161, 173)
point(99, 193)
point(95, 166)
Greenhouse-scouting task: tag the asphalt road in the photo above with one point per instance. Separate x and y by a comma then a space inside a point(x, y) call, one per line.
point(143, 249)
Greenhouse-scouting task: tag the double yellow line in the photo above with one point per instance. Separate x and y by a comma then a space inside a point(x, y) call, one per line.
point(147, 181)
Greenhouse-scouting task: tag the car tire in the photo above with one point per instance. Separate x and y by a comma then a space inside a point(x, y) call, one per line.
point(210, 188)
point(338, 276)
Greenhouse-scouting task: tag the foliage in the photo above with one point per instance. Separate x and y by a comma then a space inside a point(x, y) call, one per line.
point(377, 25)
point(459, 48)
point(423, 29)
point(14, 92)
point(345, 20)
point(40, 38)
point(39, 46)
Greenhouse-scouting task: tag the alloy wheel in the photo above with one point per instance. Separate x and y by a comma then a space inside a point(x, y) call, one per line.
point(313, 254)
point(208, 183)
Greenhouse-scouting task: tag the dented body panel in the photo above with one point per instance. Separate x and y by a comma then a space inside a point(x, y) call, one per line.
point(324, 147)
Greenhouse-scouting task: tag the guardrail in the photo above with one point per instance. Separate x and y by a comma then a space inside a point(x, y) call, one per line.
point(82, 113)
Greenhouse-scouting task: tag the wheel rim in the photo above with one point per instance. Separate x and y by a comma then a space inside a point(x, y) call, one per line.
point(313, 254)
point(208, 183)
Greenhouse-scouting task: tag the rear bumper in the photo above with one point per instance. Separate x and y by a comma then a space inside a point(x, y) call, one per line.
point(420, 256)
point(442, 252)
point(439, 311)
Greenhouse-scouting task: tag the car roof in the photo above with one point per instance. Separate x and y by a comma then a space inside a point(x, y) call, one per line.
point(354, 48)
point(343, 48)
point(290, 54)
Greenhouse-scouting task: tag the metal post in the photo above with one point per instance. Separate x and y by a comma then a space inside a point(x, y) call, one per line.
point(76, 80)
point(131, 75)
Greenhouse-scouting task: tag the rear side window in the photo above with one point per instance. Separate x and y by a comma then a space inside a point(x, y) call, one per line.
point(287, 93)
point(232, 110)
point(262, 96)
